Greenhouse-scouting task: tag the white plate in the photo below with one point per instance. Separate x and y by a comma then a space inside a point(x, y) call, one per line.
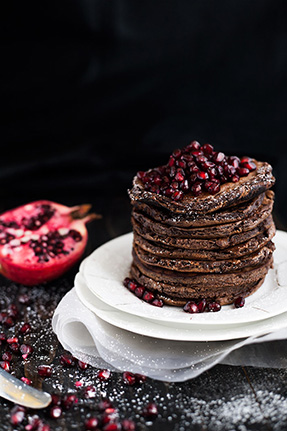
point(175, 331)
point(105, 269)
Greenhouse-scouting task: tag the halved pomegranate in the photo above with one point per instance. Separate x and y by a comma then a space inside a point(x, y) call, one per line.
point(41, 240)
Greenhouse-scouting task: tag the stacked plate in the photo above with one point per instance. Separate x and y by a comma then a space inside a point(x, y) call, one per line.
point(99, 285)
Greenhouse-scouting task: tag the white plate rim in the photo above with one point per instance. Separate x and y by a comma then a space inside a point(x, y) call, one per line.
point(197, 333)
point(251, 312)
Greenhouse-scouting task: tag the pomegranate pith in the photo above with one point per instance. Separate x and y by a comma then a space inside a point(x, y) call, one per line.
point(42, 240)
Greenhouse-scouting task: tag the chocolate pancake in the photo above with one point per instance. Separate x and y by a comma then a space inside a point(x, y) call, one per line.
point(208, 232)
point(202, 244)
point(230, 215)
point(178, 288)
point(214, 266)
point(245, 189)
point(245, 248)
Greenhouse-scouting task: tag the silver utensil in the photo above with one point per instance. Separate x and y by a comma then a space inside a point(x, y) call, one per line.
point(15, 390)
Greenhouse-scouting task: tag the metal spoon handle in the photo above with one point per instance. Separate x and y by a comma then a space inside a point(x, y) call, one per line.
point(18, 392)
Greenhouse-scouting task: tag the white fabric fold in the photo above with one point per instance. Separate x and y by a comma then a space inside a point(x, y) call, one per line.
point(103, 345)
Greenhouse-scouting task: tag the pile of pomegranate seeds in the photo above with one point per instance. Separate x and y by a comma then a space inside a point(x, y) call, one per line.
point(195, 169)
point(142, 292)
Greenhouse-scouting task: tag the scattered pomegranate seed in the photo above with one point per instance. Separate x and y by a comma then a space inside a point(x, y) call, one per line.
point(68, 360)
point(150, 411)
point(56, 400)
point(104, 374)
point(191, 307)
point(8, 321)
point(157, 303)
point(44, 370)
point(90, 392)
point(69, 400)
point(214, 306)
point(140, 378)
point(113, 426)
point(27, 381)
point(92, 424)
point(55, 412)
point(5, 365)
point(139, 291)
point(104, 404)
point(78, 384)
point(129, 378)
point(3, 337)
point(12, 340)
point(26, 350)
point(26, 328)
point(82, 365)
point(15, 347)
point(17, 415)
point(148, 296)
point(239, 302)
point(7, 356)
point(201, 305)
point(128, 425)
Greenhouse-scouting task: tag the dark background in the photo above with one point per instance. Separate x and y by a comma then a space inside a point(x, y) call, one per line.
point(92, 91)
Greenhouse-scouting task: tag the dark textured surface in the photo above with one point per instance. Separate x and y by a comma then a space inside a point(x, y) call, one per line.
point(223, 398)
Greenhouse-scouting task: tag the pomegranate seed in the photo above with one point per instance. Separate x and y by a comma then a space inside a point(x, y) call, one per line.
point(44, 370)
point(197, 153)
point(194, 145)
point(176, 153)
point(219, 157)
point(129, 378)
point(181, 163)
point(44, 427)
point(157, 302)
point(178, 195)
point(104, 374)
point(27, 381)
point(12, 340)
point(139, 291)
point(128, 425)
point(26, 328)
point(179, 176)
point(132, 285)
point(67, 361)
point(141, 175)
point(90, 392)
point(196, 189)
point(56, 400)
point(104, 405)
point(110, 415)
point(7, 356)
point(8, 322)
point(69, 400)
point(235, 178)
point(34, 423)
point(249, 165)
point(55, 412)
point(17, 415)
point(201, 159)
point(148, 296)
point(78, 384)
point(184, 186)
point(202, 175)
point(174, 185)
point(242, 172)
point(171, 161)
point(245, 159)
point(82, 365)
point(207, 149)
point(150, 411)
point(212, 187)
point(2, 337)
point(234, 161)
point(202, 305)
point(140, 378)
point(214, 306)
point(26, 350)
point(91, 424)
point(5, 365)
point(239, 302)
point(168, 192)
point(15, 347)
point(191, 307)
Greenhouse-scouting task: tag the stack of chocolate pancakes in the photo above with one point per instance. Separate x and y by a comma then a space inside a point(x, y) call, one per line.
point(206, 233)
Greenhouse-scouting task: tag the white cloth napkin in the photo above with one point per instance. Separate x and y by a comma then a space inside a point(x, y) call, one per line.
point(103, 345)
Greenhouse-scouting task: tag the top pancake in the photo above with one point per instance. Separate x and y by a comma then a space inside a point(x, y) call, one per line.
point(230, 194)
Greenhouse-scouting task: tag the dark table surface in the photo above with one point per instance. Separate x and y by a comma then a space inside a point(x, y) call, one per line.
point(222, 398)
